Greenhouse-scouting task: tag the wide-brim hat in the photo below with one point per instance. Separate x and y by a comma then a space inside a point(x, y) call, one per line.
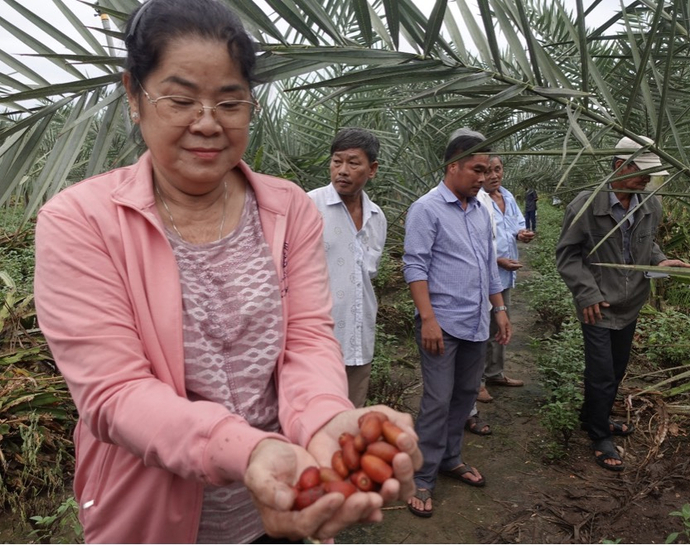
point(645, 160)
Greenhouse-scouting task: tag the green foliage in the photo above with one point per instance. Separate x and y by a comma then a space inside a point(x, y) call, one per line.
point(663, 337)
point(549, 296)
point(389, 380)
point(684, 514)
point(561, 367)
point(61, 527)
point(37, 414)
point(16, 251)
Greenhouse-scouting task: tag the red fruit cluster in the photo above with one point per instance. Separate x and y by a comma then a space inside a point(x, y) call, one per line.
point(362, 463)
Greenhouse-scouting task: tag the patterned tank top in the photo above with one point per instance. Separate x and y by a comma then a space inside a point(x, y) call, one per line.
point(232, 319)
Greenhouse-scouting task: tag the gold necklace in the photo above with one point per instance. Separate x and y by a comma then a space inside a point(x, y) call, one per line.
point(172, 220)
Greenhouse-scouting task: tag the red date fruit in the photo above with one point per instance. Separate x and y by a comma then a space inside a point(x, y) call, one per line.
point(345, 488)
point(306, 497)
point(362, 481)
point(377, 470)
point(360, 443)
point(310, 478)
point(338, 464)
point(391, 432)
point(328, 474)
point(370, 429)
point(351, 456)
point(383, 450)
point(376, 414)
point(344, 438)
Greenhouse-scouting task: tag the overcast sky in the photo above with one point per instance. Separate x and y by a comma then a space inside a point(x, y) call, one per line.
point(50, 13)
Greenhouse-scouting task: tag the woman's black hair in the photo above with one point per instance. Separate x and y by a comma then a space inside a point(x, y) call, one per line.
point(153, 25)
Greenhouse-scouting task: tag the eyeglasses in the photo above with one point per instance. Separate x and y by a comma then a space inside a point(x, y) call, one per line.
point(181, 111)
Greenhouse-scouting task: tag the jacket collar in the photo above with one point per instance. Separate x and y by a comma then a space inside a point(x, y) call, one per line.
point(601, 205)
point(136, 188)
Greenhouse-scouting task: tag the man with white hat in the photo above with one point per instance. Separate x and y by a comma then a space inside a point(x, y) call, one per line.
point(608, 300)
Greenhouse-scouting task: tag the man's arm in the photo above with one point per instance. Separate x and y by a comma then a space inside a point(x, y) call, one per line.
point(571, 264)
point(432, 335)
point(505, 330)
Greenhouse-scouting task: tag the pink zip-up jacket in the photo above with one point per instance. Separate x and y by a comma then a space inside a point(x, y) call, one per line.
point(109, 302)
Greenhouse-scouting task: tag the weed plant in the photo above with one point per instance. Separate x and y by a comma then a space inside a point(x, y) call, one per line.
point(560, 358)
point(37, 415)
point(561, 366)
point(663, 337)
point(548, 294)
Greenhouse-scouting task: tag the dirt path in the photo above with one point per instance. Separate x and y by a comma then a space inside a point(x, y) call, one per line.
point(529, 501)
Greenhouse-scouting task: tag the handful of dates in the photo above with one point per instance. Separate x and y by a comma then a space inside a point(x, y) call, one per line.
point(363, 462)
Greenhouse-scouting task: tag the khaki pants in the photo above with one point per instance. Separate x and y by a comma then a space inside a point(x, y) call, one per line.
point(358, 383)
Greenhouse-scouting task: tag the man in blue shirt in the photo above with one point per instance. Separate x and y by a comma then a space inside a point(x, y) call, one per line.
point(450, 266)
point(354, 235)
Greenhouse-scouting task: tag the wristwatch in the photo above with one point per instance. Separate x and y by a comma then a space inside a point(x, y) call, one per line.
point(499, 309)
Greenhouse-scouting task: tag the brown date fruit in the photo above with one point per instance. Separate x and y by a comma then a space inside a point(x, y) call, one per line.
point(377, 470)
point(383, 450)
point(306, 497)
point(345, 488)
point(309, 478)
point(338, 464)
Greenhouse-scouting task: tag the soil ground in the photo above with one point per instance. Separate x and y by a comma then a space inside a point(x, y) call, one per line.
point(528, 500)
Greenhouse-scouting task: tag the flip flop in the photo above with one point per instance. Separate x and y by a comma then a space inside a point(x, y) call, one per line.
point(460, 472)
point(608, 452)
point(422, 494)
point(476, 425)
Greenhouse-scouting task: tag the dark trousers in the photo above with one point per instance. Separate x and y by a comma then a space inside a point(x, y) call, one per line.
point(451, 383)
point(531, 220)
point(607, 352)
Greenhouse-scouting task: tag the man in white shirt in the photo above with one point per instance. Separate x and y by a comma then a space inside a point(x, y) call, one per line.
point(354, 236)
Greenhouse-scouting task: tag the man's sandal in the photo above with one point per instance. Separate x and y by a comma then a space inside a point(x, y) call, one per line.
point(422, 494)
point(460, 473)
point(476, 425)
point(504, 381)
point(608, 452)
point(616, 428)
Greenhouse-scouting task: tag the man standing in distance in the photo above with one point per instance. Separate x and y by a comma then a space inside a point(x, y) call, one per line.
point(608, 300)
point(450, 266)
point(354, 236)
point(531, 199)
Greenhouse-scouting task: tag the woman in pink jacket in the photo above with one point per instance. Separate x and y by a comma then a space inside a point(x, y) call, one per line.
point(186, 301)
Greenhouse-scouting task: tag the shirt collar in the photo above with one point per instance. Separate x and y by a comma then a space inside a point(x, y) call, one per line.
point(450, 197)
point(333, 198)
point(613, 200)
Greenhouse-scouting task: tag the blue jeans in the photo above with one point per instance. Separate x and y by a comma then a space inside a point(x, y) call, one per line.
point(607, 352)
point(531, 220)
point(451, 384)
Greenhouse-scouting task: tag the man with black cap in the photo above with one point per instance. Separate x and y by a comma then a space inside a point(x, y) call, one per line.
point(608, 300)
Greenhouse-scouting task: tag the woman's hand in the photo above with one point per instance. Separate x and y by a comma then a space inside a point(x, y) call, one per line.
point(401, 487)
point(274, 467)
